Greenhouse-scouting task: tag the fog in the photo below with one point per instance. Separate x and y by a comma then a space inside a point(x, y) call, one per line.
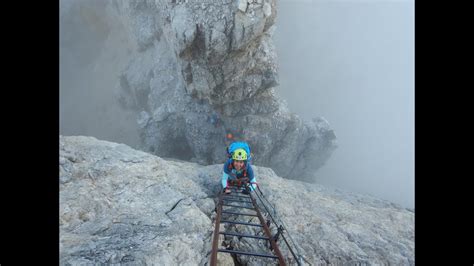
point(349, 62)
point(352, 62)
point(93, 51)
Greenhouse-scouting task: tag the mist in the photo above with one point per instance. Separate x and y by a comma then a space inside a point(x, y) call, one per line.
point(352, 62)
point(93, 50)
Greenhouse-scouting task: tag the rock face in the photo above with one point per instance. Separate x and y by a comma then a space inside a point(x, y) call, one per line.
point(201, 69)
point(119, 205)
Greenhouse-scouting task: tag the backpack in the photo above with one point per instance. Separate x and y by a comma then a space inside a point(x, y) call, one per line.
point(239, 145)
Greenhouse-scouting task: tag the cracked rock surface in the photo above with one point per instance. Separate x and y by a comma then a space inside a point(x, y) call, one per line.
point(192, 71)
point(120, 205)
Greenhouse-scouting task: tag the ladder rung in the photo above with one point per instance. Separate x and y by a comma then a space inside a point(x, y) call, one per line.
point(239, 213)
point(246, 201)
point(247, 253)
point(229, 205)
point(244, 223)
point(242, 186)
point(243, 235)
point(235, 191)
point(235, 197)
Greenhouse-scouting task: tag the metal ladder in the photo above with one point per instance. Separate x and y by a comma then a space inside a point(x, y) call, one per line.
point(237, 196)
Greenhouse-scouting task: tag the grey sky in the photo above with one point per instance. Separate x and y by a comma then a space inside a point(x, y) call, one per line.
point(352, 62)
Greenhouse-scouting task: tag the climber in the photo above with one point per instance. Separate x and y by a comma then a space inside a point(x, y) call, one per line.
point(229, 138)
point(215, 119)
point(238, 168)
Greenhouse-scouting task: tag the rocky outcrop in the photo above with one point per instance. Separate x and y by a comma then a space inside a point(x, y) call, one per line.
point(119, 205)
point(201, 69)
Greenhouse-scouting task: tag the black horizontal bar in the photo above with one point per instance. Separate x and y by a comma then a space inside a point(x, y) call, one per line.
point(238, 200)
point(237, 222)
point(236, 197)
point(238, 206)
point(243, 235)
point(235, 191)
point(247, 253)
point(239, 213)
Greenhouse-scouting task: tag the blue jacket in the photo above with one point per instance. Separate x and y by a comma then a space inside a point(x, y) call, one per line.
point(232, 173)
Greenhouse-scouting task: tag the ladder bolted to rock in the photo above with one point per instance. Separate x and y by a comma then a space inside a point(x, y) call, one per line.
point(230, 200)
